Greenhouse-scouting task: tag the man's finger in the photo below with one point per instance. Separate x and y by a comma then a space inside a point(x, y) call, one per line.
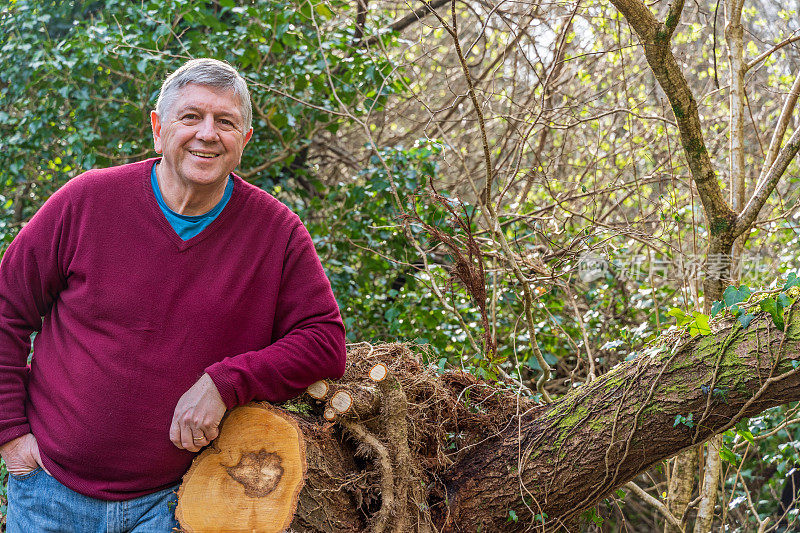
point(199, 438)
point(186, 439)
point(212, 433)
point(175, 433)
point(194, 444)
point(37, 456)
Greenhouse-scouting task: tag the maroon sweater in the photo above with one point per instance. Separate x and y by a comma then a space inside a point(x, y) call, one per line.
point(130, 316)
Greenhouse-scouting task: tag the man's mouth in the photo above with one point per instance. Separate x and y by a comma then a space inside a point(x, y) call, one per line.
point(205, 155)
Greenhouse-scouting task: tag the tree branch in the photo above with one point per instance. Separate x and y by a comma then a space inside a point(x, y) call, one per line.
point(780, 129)
point(652, 502)
point(415, 16)
point(673, 17)
point(600, 436)
point(772, 50)
point(764, 189)
point(656, 40)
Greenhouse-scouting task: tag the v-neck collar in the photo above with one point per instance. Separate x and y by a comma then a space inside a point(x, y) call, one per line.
point(154, 210)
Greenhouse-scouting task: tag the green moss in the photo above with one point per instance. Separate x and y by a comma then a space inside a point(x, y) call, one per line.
point(597, 425)
point(652, 409)
point(678, 388)
point(298, 406)
point(612, 382)
point(793, 328)
point(572, 419)
point(719, 225)
point(569, 419)
point(696, 147)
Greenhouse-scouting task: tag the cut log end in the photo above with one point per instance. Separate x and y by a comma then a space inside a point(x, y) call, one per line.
point(318, 390)
point(330, 414)
point(250, 476)
point(378, 372)
point(342, 401)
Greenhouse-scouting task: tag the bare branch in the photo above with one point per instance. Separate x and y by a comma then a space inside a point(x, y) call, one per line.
point(772, 50)
point(656, 504)
point(759, 198)
point(656, 40)
point(780, 128)
point(415, 16)
point(673, 17)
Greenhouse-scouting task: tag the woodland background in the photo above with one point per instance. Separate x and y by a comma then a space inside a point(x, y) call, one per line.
point(510, 185)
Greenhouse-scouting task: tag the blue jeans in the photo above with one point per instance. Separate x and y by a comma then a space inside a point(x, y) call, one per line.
point(37, 503)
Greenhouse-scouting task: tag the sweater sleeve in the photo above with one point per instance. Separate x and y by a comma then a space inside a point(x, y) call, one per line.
point(32, 273)
point(308, 336)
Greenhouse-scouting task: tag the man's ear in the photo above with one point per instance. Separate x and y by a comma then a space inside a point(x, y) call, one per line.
point(247, 137)
point(155, 123)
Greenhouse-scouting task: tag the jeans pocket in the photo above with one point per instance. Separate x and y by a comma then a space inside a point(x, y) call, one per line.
point(26, 475)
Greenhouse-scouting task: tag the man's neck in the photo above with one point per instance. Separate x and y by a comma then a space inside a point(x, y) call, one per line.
point(189, 199)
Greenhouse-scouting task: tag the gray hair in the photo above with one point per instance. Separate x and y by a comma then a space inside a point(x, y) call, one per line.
point(209, 72)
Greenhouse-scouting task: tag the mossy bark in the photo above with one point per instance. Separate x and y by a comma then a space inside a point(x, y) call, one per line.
point(555, 460)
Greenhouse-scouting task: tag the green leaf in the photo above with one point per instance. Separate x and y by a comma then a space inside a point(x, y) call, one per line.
point(512, 516)
point(728, 456)
point(717, 307)
point(680, 316)
point(700, 325)
point(676, 312)
point(732, 295)
point(620, 493)
point(775, 309)
point(324, 12)
point(746, 435)
point(791, 281)
point(784, 299)
point(746, 319)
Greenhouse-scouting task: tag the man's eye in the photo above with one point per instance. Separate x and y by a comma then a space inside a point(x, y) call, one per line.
point(226, 122)
point(190, 116)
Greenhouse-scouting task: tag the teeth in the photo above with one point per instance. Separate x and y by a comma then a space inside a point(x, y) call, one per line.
point(204, 154)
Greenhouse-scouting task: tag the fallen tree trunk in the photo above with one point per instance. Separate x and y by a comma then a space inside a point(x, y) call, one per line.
point(429, 451)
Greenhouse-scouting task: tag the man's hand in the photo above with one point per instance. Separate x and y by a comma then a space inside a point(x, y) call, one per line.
point(22, 455)
point(197, 416)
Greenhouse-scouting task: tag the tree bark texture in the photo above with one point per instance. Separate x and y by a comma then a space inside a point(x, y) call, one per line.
point(444, 451)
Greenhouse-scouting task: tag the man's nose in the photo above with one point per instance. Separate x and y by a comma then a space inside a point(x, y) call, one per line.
point(206, 130)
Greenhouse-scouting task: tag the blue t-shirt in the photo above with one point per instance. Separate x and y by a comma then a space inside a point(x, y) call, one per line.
point(184, 225)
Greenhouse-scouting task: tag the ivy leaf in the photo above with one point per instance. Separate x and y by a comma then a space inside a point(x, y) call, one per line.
point(775, 309)
point(792, 281)
point(700, 325)
point(732, 295)
point(746, 319)
point(680, 316)
point(784, 299)
point(746, 435)
point(717, 307)
point(727, 455)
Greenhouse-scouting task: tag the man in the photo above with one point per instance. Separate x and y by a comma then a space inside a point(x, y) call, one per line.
point(164, 293)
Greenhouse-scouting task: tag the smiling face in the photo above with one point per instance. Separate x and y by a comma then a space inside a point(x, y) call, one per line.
point(201, 139)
